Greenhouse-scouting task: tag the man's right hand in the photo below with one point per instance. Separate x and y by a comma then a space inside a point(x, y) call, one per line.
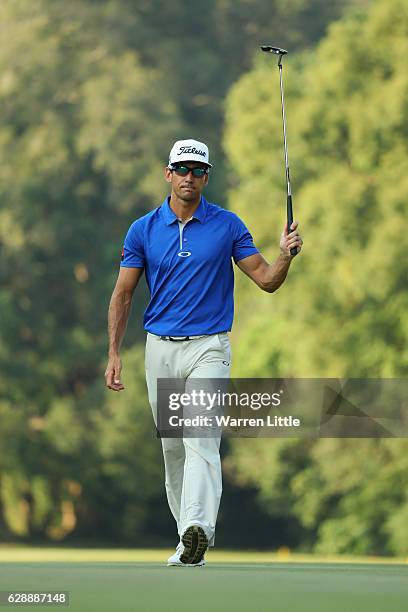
point(112, 373)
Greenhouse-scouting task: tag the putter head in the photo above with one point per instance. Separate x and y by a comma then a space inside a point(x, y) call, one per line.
point(276, 50)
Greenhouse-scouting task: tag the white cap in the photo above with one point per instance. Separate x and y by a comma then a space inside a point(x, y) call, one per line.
point(189, 150)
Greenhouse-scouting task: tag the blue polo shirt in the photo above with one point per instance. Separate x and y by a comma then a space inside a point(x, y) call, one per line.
point(188, 268)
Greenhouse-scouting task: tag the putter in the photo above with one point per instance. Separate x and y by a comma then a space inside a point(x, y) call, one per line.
point(281, 53)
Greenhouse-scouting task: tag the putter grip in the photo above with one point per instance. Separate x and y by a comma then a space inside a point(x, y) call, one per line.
point(293, 251)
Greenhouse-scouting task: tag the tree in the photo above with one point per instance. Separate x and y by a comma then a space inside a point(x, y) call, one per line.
point(92, 94)
point(344, 309)
point(81, 135)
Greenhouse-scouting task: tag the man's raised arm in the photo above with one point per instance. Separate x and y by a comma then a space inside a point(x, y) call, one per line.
point(269, 277)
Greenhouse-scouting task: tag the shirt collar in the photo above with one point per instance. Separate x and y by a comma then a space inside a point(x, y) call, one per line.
point(170, 217)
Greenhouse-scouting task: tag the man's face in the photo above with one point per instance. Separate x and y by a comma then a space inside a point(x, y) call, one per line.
point(186, 188)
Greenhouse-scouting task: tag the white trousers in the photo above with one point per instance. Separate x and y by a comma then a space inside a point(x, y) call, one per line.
point(193, 477)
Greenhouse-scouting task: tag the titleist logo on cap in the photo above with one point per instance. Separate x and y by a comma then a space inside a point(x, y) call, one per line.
point(189, 150)
point(192, 150)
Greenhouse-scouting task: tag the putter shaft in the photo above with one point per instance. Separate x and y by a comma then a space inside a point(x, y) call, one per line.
point(289, 207)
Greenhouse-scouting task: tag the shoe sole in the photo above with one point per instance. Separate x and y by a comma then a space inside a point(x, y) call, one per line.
point(195, 544)
point(185, 564)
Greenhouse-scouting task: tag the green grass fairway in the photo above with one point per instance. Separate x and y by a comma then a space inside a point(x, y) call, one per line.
point(134, 580)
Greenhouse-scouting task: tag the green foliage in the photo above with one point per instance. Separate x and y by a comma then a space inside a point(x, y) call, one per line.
point(81, 136)
point(88, 462)
point(92, 94)
point(349, 496)
point(347, 124)
point(344, 308)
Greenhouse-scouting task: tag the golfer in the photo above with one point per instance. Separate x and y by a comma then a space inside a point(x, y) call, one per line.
point(186, 247)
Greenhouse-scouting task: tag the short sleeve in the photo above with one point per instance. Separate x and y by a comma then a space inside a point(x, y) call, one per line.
point(243, 245)
point(133, 250)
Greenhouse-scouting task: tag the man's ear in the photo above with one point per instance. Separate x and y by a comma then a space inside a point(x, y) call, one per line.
point(167, 175)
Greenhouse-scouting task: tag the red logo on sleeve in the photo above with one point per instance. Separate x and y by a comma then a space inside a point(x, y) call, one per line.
point(123, 254)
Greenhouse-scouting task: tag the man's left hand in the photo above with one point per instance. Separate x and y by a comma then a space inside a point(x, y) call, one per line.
point(290, 241)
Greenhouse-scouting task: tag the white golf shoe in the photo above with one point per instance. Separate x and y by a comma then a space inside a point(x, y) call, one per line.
point(175, 560)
